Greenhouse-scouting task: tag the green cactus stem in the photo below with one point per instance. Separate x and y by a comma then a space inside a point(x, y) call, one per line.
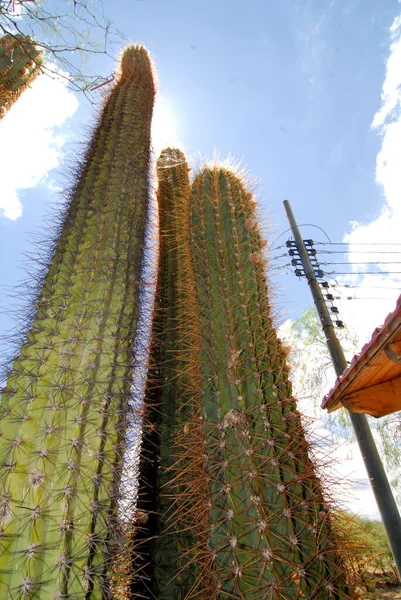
point(271, 534)
point(173, 383)
point(20, 64)
point(64, 407)
point(236, 496)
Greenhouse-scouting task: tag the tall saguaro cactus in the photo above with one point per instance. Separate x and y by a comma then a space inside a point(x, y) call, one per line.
point(20, 61)
point(271, 535)
point(63, 411)
point(239, 499)
point(173, 383)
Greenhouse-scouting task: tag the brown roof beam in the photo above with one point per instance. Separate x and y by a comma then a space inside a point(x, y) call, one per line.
point(377, 400)
point(393, 351)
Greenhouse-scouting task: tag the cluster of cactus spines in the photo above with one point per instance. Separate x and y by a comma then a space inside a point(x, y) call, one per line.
point(20, 63)
point(237, 493)
point(173, 385)
point(64, 407)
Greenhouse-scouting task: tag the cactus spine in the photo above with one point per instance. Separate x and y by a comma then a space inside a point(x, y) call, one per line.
point(244, 505)
point(66, 398)
point(20, 62)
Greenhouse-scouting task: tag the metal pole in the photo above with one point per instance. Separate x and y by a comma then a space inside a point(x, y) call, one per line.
point(378, 478)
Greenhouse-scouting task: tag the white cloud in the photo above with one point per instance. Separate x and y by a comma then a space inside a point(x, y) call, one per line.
point(377, 289)
point(30, 144)
point(391, 93)
point(379, 292)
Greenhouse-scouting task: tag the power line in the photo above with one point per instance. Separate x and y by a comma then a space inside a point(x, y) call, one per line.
point(279, 256)
point(289, 229)
point(362, 272)
point(381, 488)
point(356, 243)
point(360, 252)
point(372, 287)
point(379, 262)
point(359, 298)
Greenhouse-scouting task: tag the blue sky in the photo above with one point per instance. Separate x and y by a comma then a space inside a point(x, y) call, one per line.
point(291, 87)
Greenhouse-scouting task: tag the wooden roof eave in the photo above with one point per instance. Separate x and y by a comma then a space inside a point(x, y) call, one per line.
point(372, 382)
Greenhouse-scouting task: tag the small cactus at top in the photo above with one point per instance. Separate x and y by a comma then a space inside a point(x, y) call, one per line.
point(20, 64)
point(64, 407)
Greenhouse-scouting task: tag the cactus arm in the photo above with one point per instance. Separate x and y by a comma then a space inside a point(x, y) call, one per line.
point(63, 410)
point(20, 64)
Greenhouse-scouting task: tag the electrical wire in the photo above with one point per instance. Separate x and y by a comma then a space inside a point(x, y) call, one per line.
point(322, 276)
point(356, 243)
point(359, 252)
point(372, 287)
point(279, 256)
point(379, 262)
point(301, 225)
point(363, 273)
point(360, 298)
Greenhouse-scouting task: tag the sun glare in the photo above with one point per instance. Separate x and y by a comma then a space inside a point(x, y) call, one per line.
point(164, 126)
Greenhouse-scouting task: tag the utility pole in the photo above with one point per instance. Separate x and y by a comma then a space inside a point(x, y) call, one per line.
point(374, 467)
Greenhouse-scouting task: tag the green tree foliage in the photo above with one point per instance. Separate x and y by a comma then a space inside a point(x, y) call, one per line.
point(68, 32)
point(314, 375)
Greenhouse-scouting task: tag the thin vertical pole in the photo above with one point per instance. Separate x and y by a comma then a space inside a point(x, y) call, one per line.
point(374, 467)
